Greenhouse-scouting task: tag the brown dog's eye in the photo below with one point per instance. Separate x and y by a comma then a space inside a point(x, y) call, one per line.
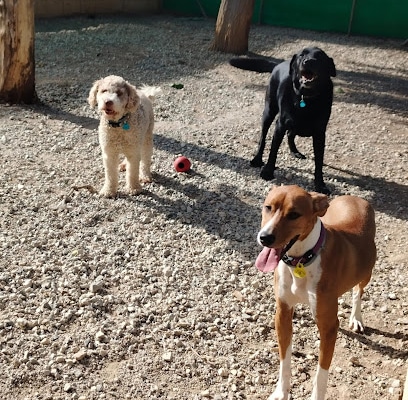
point(293, 215)
point(268, 208)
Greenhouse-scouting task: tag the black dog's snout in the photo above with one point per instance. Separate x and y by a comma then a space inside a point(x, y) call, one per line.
point(267, 240)
point(308, 60)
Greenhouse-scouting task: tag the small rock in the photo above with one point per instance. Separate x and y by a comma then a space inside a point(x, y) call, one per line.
point(101, 337)
point(355, 361)
point(395, 383)
point(80, 355)
point(67, 387)
point(96, 286)
point(223, 372)
point(238, 295)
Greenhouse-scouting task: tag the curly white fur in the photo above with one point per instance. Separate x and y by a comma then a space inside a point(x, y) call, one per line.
point(126, 127)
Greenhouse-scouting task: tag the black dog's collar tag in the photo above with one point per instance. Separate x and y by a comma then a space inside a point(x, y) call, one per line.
point(302, 103)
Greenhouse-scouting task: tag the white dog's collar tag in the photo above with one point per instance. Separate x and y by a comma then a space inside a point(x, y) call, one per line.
point(302, 103)
point(121, 123)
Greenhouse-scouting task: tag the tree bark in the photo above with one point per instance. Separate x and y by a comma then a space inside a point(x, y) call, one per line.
point(232, 27)
point(17, 63)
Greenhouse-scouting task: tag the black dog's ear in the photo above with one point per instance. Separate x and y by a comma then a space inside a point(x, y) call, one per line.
point(332, 67)
point(292, 61)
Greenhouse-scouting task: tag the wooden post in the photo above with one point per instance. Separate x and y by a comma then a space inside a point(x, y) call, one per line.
point(232, 27)
point(17, 65)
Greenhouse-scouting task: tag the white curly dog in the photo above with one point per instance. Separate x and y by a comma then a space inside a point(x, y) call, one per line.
point(126, 127)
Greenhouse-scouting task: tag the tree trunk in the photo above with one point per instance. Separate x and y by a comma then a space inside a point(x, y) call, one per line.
point(232, 27)
point(17, 65)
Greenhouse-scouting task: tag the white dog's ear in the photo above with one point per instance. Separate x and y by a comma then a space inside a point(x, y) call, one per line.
point(92, 94)
point(133, 98)
point(320, 203)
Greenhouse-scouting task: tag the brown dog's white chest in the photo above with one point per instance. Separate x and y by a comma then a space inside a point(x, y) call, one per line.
point(293, 290)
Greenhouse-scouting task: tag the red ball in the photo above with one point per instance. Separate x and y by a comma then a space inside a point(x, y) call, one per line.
point(182, 164)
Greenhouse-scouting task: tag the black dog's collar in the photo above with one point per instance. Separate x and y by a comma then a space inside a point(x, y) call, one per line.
point(122, 122)
point(310, 255)
point(299, 93)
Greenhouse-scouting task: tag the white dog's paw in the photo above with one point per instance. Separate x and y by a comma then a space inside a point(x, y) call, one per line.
point(107, 192)
point(356, 325)
point(146, 179)
point(133, 191)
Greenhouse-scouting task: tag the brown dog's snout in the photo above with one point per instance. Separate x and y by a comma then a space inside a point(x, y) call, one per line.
point(267, 239)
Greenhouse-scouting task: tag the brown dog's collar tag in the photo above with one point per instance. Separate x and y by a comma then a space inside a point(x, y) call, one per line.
point(299, 271)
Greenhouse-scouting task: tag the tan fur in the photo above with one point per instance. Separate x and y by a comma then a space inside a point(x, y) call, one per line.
point(115, 98)
point(345, 262)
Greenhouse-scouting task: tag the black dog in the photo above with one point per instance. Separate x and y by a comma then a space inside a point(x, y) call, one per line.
point(301, 91)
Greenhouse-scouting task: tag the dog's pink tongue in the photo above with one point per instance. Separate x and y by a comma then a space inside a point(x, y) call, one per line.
point(267, 260)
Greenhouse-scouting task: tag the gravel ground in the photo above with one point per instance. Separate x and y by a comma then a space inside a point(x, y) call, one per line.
point(156, 296)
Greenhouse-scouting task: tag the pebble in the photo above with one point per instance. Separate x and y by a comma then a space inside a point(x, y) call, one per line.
point(223, 372)
point(80, 355)
point(167, 356)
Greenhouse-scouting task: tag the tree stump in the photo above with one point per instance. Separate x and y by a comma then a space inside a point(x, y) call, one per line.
point(232, 27)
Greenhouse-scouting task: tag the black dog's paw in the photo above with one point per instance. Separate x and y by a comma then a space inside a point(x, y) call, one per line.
point(298, 155)
point(267, 174)
point(256, 162)
point(322, 188)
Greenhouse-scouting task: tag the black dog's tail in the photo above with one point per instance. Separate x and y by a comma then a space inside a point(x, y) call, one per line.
point(256, 64)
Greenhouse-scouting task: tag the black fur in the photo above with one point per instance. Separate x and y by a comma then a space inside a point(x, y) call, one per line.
point(253, 64)
point(304, 80)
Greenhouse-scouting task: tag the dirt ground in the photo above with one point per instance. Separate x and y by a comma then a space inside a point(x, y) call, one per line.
point(156, 297)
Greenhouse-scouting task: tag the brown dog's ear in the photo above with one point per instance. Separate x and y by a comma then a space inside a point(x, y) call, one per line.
point(92, 94)
point(320, 203)
point(133, 98)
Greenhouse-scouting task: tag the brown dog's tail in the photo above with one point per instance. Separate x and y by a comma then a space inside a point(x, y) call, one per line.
point(256, 64)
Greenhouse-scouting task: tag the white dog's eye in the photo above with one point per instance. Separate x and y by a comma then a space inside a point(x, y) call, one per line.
point(119, 93)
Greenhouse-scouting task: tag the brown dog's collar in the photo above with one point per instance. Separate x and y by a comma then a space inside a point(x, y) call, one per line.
point(310, 255)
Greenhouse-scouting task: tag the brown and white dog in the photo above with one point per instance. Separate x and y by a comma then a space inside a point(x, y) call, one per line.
point(318, 251)
point(126, 127)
